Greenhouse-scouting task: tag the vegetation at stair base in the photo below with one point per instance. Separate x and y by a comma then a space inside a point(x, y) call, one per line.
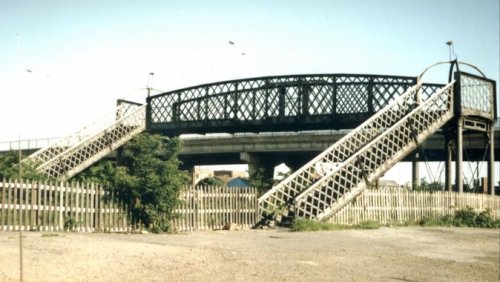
point(146, 178)
point(300, 224)
point(260, 182)
point(9, 168)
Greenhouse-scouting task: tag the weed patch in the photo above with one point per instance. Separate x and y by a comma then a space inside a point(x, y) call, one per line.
point(301, 225)
point(48, 235)
point(466, 217)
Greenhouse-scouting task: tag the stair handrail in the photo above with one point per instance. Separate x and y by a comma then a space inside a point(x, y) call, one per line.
point(90, 137)
point(352, 159)
point(410, 91)
point(75, 138)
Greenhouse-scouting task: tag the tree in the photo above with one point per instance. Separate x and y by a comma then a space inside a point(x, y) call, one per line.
point(429, 187)
point(148, 179)
point(211, 181)
point(259, 181)
point(9, 168)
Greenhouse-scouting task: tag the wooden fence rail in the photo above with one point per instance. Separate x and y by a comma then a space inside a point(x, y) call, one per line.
point(88, 207)
point(208, 208)
point(398, 206)
point(48, 206)
point(31, 205)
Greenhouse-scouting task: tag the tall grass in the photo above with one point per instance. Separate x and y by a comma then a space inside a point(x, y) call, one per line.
point(300, 225)
point(466, 217)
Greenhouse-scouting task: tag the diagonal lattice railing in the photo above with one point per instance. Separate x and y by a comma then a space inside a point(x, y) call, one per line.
point(322, 199)
point(76, 152)
point(277, 103)
point(276, 199)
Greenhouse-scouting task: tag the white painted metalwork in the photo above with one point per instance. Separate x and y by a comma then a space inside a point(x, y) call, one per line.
point(329, 194)
point(279, 197)
point(477, 95)
point(78, 151)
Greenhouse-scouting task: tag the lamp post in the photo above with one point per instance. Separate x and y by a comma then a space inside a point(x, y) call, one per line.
point(150, 83)
point(451, 49)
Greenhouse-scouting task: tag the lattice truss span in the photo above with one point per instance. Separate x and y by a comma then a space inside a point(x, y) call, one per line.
point(78, 151)
point(300, 100)
point(339, 186)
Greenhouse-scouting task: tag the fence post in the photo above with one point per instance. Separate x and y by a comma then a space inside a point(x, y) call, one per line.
point(32, 205)
point(2, 211)
point(61, 206)
point(92, 207)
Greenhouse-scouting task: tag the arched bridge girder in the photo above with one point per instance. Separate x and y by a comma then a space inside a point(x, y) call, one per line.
point(276, 103)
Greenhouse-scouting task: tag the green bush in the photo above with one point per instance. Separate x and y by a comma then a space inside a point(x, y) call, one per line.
point(466, 217)
point(147, 179)
point(69, 224)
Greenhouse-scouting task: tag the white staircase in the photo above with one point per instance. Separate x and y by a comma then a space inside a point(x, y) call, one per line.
point(341, 172)
point(74, 153)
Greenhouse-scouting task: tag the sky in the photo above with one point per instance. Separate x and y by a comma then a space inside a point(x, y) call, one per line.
point(64, 63)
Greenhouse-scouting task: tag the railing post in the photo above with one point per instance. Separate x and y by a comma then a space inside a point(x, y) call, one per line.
point(459, 159)
point(235, 104)
point(282, 101)
point(148, 114)
point(304, 99)
point(370, 96)
point(266, 101)
point(334, 95)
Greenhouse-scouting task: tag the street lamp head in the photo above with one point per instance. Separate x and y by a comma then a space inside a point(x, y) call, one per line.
point(449, 43)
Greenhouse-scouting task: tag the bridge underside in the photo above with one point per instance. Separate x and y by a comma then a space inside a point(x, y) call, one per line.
point(296, 149)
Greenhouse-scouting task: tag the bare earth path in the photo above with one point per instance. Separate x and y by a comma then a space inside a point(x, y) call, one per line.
point(386, 254)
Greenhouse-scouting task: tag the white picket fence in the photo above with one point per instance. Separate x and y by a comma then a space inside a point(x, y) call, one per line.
point(47, 206)
point(399, 206)
point(208, 208)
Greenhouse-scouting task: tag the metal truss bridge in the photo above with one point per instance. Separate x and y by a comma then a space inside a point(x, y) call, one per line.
point(392, 115)
point(276, 103)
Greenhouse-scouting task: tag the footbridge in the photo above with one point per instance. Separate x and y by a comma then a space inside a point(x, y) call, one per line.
point(391, 116)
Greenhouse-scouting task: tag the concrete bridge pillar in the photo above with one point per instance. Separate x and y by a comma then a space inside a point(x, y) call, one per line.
point(256, 161)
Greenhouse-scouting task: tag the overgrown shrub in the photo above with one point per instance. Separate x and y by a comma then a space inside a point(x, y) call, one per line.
point(466, 217)
point(147, 180)
point(69, 224)
point(9, 168)
point(260, 182)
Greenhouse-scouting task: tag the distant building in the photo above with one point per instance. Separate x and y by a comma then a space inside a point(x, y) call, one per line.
point(238, 182)
point(200, 173)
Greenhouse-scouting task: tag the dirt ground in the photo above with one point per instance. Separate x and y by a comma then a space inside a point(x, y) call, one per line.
point(386, 254)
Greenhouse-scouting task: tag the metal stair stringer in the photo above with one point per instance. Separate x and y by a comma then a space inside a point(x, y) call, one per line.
point(63, 162)
point(328, 195)
point(276, 200)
